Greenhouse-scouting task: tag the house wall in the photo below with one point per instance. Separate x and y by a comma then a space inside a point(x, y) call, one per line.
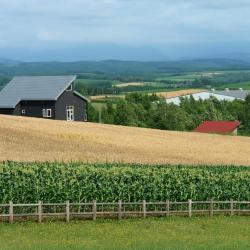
point(58, 108)
point(6, 111)
point(68, 98)
point(34, 108)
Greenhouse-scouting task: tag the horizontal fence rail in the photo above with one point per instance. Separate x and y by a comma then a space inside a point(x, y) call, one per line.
point(40, 211)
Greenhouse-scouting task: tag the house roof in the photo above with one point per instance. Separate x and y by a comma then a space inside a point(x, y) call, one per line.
point(240, 94)
point(81, 96)
point(33, 88)
point(219, 127)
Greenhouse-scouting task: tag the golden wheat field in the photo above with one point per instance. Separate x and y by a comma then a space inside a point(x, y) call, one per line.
point(32, 139)
point(171, 94)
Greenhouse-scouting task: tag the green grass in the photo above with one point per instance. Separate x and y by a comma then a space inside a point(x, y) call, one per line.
point(243, 85)
point(150, 233)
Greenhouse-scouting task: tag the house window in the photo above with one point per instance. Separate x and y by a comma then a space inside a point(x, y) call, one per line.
point(23, 111)
point(70, 88)
point(47, 113)
point(70, 116)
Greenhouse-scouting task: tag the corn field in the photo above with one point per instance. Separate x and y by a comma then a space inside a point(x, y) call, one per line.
point(79, 182)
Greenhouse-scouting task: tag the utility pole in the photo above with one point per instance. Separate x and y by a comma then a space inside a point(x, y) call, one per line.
point(100, 115)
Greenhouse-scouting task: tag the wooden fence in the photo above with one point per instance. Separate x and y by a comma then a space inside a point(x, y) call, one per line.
point(66, 211)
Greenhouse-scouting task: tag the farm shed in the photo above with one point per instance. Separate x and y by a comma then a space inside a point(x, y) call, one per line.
point(221, 95)
point(218, 127)
point(51, 97)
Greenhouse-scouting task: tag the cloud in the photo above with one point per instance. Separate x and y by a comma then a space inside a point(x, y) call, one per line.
point(47, 24)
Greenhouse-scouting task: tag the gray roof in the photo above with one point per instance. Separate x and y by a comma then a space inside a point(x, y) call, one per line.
point(33, 88)
point(240, 94)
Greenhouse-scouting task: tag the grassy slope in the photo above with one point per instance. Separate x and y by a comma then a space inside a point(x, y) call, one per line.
point(161, 233)
point(32, 139)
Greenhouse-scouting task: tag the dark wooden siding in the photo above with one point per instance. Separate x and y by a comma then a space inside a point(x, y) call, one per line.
point(58, 108)
point(5, 111)
point(35, 108)
point(68, 98)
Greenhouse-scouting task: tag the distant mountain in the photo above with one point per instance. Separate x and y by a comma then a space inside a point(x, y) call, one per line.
point(120, 67)
point(6, 61)
point(239, 56)
point(243, 57)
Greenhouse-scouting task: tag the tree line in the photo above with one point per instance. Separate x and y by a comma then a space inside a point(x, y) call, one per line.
point(152, 111)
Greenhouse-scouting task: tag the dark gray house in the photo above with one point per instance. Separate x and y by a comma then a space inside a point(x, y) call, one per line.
point(51, 97)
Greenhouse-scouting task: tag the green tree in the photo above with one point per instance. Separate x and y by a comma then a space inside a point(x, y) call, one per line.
point(93, 114)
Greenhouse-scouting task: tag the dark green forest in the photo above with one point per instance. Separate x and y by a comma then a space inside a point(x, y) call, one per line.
point(151, 111)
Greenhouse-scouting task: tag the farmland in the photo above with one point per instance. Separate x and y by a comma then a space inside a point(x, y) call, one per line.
point(166, 94)
point(243, 85)
point(170, 94)
point(162, 233)
point(31, 139)
point(78, 182)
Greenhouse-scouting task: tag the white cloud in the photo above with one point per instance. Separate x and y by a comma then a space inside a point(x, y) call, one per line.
point(69, 22)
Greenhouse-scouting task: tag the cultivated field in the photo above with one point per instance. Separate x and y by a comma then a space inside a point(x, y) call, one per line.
point(31, 139)
point(121, 85)
point(171, 94)
point(165, 94)
point(97, 97)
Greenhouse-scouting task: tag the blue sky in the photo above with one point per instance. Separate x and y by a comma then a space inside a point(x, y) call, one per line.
point(123, 29)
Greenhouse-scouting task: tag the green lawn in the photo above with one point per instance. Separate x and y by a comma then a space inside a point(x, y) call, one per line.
point(160, 233)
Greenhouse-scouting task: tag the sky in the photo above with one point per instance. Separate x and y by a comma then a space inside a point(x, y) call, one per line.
point(68, 30)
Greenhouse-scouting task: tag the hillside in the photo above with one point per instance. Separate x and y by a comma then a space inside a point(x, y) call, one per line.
point(30, 139)
point(119, 67)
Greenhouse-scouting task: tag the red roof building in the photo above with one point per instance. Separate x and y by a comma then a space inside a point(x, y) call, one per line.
point(218, 127)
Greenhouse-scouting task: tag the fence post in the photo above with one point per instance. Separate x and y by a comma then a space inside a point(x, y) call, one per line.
point(189, 208)
point(67, 211)
point(144, 208)
point(211, 208)
point(231, 207)
point(94, 210)
point(119, 209)
point(39, 211)
point(11, 216)
point(167, 207)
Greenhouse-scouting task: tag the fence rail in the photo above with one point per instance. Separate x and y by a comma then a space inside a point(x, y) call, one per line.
point(40, 211)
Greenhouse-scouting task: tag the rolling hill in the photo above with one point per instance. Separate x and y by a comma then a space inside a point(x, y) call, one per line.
point(119, 67)
point(31, 139)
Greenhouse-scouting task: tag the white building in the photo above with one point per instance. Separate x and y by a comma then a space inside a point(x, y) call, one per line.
point(228, 95)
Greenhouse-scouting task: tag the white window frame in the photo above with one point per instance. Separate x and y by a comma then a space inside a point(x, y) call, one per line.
point(70, 109)
point(47, 113)
point(70, 87)
point(23, 111)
